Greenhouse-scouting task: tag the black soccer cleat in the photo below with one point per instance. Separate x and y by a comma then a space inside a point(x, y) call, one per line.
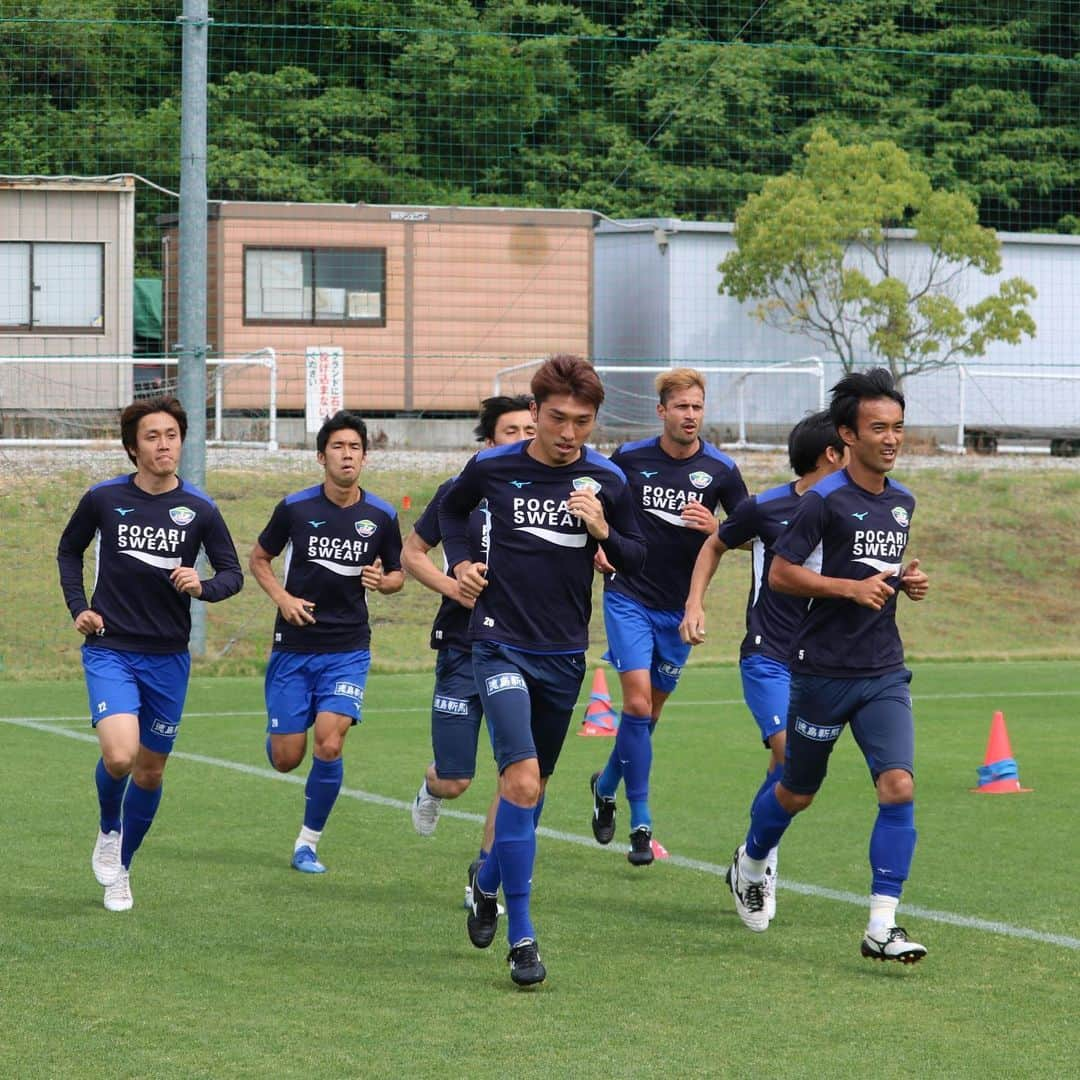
point(526, 968)
point(603, 813)
point(641, 852)
point(483, 917)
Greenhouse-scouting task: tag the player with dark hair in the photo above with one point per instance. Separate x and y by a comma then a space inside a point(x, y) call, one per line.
point(677, 480)
point(844, 551)
point(455, 710)
point(550, 502)
point(150, 527)
point(815, 450)
point(340, 541)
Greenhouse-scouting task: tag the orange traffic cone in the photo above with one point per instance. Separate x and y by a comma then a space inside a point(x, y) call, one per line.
point(999, 775)
point(599, 716)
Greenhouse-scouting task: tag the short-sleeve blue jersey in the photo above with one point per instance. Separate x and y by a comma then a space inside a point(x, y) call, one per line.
point(450, 630)
point(327, 547)
point(540, 556)
point(841, 530)
point(140, 539)
point(771, 617)
point(661, 486)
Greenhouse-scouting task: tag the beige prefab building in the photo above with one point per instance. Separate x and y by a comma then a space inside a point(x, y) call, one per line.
point(427, 304)
point(66, 270)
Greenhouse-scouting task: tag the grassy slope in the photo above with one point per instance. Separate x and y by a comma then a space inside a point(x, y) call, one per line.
point(1000, 547)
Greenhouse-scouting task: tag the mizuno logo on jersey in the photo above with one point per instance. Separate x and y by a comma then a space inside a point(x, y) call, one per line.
point(861, 516)
point(316, 524)
point(519, 484)
point(647, 474)
point(123, 511)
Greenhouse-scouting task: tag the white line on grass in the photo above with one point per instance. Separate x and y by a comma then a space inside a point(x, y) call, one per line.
point(671, 704)
point(968, 922)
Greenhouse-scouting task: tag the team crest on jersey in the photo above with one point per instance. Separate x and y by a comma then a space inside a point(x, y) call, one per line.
point(900, 516)
point(365, 528)
point(700, 479)
point(182, 515)
point(587, 483)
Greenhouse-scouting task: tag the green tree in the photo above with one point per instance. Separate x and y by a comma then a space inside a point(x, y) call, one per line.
point(818, 248)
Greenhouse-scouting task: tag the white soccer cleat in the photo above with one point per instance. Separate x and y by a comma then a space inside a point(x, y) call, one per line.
point(425, 811)
point(106, 858)
point(894, 945)
point(770, 883)
point(118, 894)
point(749, 896)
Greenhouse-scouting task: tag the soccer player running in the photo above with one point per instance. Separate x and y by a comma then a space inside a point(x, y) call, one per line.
point(677, 480)
point(150, 526)
point(340, 540)
point(844, 551)
point(815, 450)
point(551, 501)
point(455, 707)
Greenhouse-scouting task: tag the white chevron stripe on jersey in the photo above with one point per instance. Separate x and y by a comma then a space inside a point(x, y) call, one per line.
point(170, 562)
point(569, 540)
point(880, 566)
point(337, 568)
point(664, 515)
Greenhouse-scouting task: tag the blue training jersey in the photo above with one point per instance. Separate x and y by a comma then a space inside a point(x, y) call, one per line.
point(661, 486)
point(540, 557)
point(450, 630)
point(771, 617)
point(140, 539)
point(328, 547)
point(841, 530)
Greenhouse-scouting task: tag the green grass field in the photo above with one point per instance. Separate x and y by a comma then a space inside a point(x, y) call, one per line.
point(232, 965)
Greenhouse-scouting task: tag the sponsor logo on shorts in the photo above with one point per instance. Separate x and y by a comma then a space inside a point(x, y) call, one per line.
point(102, 706)
point(182, 515)
point(349, 689)
point(510, 680)
point(452, 705)
point(672, 671)
point(818, 732)
point(164, 728)
point(900, 516)
point(365, 528)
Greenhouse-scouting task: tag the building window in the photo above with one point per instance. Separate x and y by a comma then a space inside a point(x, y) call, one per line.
point(52, 287)
point(337, 286)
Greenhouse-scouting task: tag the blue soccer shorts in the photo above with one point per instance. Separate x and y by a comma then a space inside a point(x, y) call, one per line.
point(301, 685)
point(151, 686)
point(455, 715)
point(878, 709)
point(766, 684)
point(644, 639)
point(528, 699)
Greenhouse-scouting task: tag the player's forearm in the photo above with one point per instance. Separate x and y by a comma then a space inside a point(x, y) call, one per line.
point(263, 573)
point(796, 580)
point(391, 582)
point(704, 569)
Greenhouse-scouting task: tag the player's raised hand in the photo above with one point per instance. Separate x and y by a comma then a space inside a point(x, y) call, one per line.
point(472, 579)
point(586, 506)
point(914, 581)
point(697, 516)
point(296, 611)
point(89, 623)
point(185, 579)
point(692, 627)
point(873, 592)
point(371, 576)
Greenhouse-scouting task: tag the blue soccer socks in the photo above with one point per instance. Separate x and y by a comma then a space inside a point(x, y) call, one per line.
point(110, 797)
point(633, 744)
point(321, 791)
point(139, 808)
point(892, 846)
point(768, 821)
point(772, 777)
point(515, 848)
point(607, 783)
